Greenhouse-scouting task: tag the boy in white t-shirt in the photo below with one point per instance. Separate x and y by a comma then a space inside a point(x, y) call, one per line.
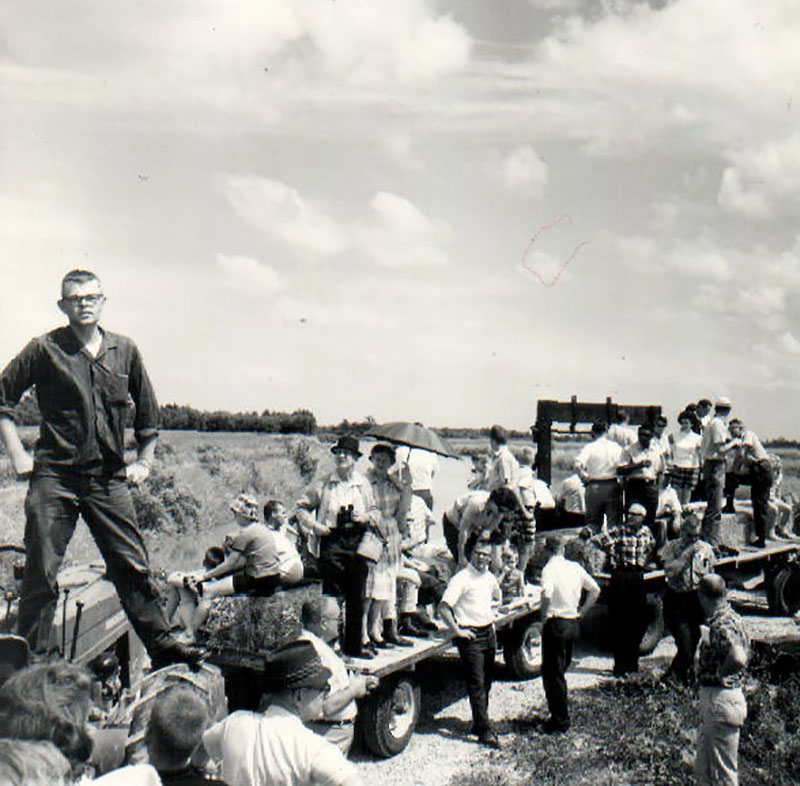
point(468, 608)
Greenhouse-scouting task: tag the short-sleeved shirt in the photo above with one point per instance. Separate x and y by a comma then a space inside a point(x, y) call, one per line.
point(534, 491)
point(751, 450)
point(274, 747)
point(635, 453)
point(265, 551)
point(622, 435)
point(715, 434)
point(573, 495)
point(563, 582)
point(685, 449)
point(626, 549)
point(726, 630)
point(470, 594)
point(698, 562)
point(503, 471)
point(339, 679)
point(598, 460)
point(422, 464)
point(83, 399)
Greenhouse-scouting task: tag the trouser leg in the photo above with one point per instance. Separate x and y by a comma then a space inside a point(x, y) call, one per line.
point(627, 607)
point(714, 474)
point(107, 508)
point(759, 493)
point(51, 511)
point(678, 614)
point(557, 638)
point(594, 506)
point(450, 532)
point(477, 660)
point(722, 713)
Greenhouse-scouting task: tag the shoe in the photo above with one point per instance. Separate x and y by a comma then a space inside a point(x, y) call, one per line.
point(408, 627)
point(758, 543)
point(178, 652)
point(422, 620)
point(489, 738)
point(365, 653)
point(722, 550)
point(729, 509)
point(383, 644)
point(398, 640)
point(551, 727)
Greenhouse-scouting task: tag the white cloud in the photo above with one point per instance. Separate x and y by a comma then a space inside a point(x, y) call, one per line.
point(399, 234)
point(789, 344)
point(247, 275)
point(767, 302)
point(523, 171)
point(278, 212)
point(764, 180)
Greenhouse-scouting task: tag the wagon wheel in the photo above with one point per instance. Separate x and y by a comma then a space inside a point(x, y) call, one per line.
point(654, 631)
point(523, 648)
point(389, 714)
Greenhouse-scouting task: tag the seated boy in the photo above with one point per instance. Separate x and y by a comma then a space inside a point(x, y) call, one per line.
point(259, 560)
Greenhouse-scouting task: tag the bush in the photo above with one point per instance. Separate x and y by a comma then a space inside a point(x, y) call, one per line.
point(299, 452)
point(161, 506)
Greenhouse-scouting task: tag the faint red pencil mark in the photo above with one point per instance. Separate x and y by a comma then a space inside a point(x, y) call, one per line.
point(553, 281)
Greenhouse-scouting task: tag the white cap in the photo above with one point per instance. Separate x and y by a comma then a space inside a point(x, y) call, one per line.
point(723, 401)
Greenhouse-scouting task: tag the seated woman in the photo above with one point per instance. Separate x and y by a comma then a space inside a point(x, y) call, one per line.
point(259, 559)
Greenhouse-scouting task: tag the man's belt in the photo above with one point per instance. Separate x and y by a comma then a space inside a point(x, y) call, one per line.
point(601, 480)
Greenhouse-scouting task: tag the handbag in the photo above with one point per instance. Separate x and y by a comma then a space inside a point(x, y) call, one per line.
point(370, 547)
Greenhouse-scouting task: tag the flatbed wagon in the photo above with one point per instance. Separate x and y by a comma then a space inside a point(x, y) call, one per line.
point(388, 715)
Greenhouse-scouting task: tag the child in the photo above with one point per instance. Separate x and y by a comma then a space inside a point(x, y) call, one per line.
point(780, 509)
point(512, 582)
point(468, 609)
point(259, 560)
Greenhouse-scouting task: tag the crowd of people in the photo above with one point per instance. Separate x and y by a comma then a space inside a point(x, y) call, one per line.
point(636, 494)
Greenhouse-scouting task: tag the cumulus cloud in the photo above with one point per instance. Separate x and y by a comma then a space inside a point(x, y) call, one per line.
point(523, 171)
point(789, 344)
point(250, 276)
point(399, 234)
point(278, 212)
point(764, 180)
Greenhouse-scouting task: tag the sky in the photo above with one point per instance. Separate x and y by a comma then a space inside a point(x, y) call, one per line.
point(430, 210)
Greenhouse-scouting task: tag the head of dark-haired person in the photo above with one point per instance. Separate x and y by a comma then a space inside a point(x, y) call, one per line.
point(599, 427)
point(645, 436)
point(498, 435)
point(504, 500)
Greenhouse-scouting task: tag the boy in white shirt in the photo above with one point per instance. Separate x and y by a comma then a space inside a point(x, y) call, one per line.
point(468, 609)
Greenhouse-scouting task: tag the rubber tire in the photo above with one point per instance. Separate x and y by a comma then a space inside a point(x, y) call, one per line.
point(516, 649)
point(786, 592)
point(377, 711)
point(654, 631)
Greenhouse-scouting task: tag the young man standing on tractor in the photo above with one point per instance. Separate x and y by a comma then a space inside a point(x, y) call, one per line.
point(84, 377)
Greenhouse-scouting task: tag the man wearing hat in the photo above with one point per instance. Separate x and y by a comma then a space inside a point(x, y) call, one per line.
point(346, 508)
point(564, 583)
point(629, 548)
point(714, 447)
point(722, 661)
point(274, 746)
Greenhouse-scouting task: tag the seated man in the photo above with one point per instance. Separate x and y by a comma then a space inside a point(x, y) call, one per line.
point(259, 560)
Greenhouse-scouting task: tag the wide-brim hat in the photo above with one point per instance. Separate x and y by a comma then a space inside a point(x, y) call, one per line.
point(295, 665)
point(348, 443)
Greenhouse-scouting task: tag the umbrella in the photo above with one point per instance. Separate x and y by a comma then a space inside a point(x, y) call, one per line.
point(414, 435)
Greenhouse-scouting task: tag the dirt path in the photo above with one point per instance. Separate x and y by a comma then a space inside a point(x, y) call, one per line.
point(441, 747)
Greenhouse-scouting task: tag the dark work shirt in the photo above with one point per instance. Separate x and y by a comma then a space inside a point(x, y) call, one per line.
point(83, 400)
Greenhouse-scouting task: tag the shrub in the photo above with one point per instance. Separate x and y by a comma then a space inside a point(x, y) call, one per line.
point(299, 451)
point(162, 506)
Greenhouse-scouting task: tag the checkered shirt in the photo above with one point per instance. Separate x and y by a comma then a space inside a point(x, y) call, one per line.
point(627, 549)
point(726, 629)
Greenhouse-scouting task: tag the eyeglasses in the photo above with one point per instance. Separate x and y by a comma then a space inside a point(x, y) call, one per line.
point(77, 300)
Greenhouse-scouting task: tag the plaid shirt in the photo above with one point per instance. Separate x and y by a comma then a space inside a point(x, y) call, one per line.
point(389, 499)
point(726, 629)
point(626, 549)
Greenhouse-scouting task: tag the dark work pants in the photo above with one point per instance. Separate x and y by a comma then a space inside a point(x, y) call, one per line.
point(450, 532)
point(603, 496)
point(683, 616)
point(477, 662)
point(760, 484)
point(52, 507)
point(714, 478)
point(344, 573)
point(626, 600)
point(558, 635)
point(645, 492)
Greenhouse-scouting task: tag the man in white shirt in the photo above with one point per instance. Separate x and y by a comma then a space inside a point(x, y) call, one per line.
point(563, 583)
point(423, 465)
point(640, 464)
point(596, 465)
point(336, 723)
point(275, 747)
point(620, 432)
point(468, 609)
point(571, 501)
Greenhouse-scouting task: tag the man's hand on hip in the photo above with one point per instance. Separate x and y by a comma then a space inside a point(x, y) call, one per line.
point(137, 472)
